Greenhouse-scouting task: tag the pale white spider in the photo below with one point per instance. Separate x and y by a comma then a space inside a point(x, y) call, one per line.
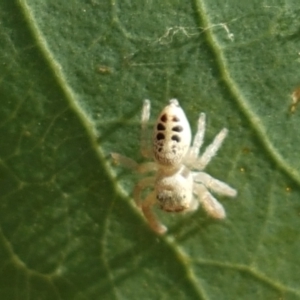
point(175, 184)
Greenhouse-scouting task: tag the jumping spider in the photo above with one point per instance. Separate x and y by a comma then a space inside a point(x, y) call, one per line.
point(179, 183)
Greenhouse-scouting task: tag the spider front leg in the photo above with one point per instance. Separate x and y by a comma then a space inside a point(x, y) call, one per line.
point(210, 151)
point(209, 202)
point(214, 184)
point(124, 161)
point(151, 218)
point(145, 147)
point(198, 141)
point(133, 165)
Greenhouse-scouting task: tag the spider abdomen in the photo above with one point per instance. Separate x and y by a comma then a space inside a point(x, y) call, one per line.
point(171, 136)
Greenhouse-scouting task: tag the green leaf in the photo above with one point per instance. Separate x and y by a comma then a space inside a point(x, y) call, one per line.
point(72, 81)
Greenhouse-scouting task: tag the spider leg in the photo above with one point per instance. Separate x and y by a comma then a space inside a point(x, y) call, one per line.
point(145, 147)
point(141, 185)
point(211, 150)
point(147, 167)
point(124, 161)
point(149, 215)
point(194, 205)
point(133, 165)
point(198, 141)
point(210, 204)
point(214, 184)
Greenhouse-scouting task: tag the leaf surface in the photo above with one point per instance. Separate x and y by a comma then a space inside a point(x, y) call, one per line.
point(72, 81)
